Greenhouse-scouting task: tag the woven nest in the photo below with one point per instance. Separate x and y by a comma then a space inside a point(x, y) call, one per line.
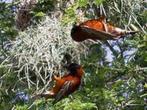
point(40, 52)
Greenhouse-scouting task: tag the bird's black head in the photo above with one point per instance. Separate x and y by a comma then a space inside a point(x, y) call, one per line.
point(72, 68)
point(74, 29)
point(75, 33)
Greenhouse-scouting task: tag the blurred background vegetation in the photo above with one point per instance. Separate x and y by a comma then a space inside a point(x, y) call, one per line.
point(35, 40)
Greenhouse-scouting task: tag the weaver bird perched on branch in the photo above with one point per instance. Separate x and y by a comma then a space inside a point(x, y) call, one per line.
point(65, 85)
point(97, 29)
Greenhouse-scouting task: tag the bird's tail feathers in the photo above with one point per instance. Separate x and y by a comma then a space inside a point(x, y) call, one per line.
point(131, 32)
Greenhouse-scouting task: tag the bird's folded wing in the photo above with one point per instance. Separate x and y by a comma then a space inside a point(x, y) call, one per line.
point(66, 88)
point(98, 33)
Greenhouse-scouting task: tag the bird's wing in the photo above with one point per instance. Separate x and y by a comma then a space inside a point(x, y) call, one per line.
point(98, 33)
point(65, 90)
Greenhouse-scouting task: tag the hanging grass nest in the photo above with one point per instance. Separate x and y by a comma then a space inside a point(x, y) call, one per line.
point(38, 53)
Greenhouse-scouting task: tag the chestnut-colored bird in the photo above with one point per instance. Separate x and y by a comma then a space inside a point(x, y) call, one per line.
point(65, 85)
point(97, 29)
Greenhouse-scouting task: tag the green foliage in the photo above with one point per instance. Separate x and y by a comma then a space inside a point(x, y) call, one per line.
point(82, 3)
point(97, 2)
point(7, 20)
point(106, 85)
point(95, 54)
point(7, 28)
point(40, 14)
point(71, 15)
point(77, 105)
point(21, 107)
point(45, 6)
point(141, 55)
point(7, 80)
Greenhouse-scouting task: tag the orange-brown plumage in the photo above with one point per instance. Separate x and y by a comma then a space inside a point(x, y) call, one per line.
point(97, 29)
point(65, 85)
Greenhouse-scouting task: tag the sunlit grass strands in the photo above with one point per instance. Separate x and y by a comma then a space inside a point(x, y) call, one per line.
point(39, 51)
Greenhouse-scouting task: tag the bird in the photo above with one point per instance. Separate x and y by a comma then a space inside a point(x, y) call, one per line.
point(97, 29)
point(65, 85)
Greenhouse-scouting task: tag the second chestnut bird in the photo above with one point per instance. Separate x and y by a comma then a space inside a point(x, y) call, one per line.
point(65, 85)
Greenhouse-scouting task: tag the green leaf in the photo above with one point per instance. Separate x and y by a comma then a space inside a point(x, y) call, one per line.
point(78, 105)
point(18, 107)
point(82, 3)
point(145, 86)
point(40, 14)
point(144, 95)
point(130, 101)
point(98, 2)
